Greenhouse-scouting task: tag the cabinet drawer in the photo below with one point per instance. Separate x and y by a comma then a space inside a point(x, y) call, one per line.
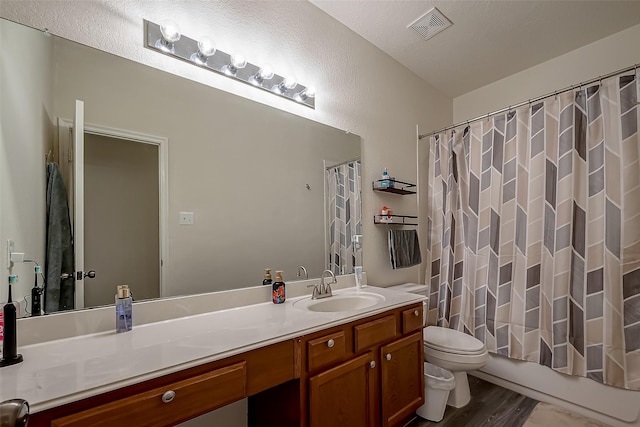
point(375, 332)
point(193, 396)
point(325, 350)
point(411, 320)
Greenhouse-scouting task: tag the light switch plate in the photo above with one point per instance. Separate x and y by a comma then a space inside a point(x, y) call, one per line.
point(186, 218)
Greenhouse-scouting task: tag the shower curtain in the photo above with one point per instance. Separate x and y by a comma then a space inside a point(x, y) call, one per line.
point(344, 216)
point(534, 232)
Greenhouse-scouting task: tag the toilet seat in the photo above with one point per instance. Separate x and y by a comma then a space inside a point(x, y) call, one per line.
point(451, 341)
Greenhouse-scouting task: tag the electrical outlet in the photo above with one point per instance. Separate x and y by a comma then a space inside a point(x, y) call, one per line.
point(186, 218)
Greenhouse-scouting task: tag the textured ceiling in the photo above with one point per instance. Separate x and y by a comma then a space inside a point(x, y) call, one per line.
point(489, 39)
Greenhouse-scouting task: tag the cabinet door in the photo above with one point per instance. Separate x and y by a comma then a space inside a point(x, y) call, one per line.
point(344, 395)
point(402, 386)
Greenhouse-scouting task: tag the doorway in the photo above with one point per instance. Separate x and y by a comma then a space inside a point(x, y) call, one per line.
point(121, 221)
point(124, 208)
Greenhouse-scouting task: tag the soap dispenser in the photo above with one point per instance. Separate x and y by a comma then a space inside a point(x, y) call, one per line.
point(267, 277)
point(10, 354)
point(279, 293)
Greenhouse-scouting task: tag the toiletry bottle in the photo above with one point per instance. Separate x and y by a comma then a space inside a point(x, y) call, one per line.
point(10, 354)
point(124, 308)
point(278, 289)
point(36, 292)
point(267, 277)
point(385, 179)
point(357, 270)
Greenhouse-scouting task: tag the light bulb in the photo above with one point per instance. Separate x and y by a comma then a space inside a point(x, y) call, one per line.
point(309, 92)
point(238, 60)
point(286, 84)
point(170, 35)
point(264, 73)
point(289, 82)
point(206, 46)
point(206, 49)
point(170, 31)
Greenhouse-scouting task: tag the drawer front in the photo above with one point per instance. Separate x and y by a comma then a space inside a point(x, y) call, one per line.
point(191, 398)
point(325, 350)
point(375, 332)
point(412, 320)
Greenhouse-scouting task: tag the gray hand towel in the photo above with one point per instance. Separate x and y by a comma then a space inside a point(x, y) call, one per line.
point(404, 248)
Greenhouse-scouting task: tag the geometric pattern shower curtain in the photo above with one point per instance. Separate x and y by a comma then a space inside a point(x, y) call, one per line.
point(344, 213)
point(534, 232)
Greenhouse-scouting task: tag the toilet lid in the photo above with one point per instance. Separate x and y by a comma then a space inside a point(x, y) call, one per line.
point(452, 341)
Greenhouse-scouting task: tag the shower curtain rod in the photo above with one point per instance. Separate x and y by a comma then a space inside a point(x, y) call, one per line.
point(346, 162)
point(532, 100)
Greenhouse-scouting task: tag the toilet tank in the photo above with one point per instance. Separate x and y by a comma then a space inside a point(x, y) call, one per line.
point(416, 288)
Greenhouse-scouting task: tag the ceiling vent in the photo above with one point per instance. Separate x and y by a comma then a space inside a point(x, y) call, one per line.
point(430, 24)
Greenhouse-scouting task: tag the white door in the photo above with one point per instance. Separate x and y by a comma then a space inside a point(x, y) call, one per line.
point(78, 200)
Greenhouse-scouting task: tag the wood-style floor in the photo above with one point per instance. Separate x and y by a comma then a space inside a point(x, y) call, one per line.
point(490, 405)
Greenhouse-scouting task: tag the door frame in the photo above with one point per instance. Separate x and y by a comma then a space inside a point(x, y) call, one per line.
point(66, 125)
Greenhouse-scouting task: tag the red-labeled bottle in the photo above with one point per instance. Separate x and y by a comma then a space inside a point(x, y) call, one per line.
point(279, 293)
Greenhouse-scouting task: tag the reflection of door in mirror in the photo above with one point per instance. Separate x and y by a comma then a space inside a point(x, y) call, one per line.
point(117, 198)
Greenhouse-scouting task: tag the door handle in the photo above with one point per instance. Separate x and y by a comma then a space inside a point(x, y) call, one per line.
point(79, 275)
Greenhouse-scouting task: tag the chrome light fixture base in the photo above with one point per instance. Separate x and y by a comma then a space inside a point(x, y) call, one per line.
point(186, 49)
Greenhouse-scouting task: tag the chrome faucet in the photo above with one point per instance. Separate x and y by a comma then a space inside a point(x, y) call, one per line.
point(323, 290)
point(306, 275)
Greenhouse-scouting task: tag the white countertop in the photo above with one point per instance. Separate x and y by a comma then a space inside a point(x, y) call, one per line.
point(59, 372)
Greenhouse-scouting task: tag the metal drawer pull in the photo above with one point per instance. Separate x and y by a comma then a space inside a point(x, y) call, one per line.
point(372, 363)
point(331, 343)
point(388, 356)
point(168, 396)
point(416, 313)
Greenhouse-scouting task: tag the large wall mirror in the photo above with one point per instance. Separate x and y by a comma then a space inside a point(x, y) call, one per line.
point(183, 188)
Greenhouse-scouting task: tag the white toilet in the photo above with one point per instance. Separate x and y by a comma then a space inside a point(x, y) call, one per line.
point(450, 349)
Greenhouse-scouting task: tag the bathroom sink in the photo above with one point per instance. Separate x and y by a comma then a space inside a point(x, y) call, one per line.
point(340, 302)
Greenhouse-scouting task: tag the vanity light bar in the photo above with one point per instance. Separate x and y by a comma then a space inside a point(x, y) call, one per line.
point(186, 49)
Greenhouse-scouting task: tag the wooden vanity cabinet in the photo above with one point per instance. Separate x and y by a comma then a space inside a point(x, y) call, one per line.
point(196, 391)
point(366, 373)
point(380, 384)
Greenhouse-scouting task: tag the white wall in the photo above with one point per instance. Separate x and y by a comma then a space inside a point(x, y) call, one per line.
point(26, 135)
point(619, 50)
point(616, 407)
point(360, 89)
